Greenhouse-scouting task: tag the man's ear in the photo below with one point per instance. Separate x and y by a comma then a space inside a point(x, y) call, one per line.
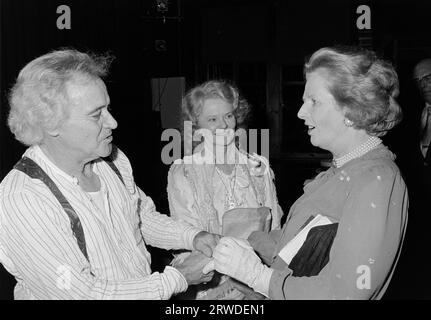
point(53, 132)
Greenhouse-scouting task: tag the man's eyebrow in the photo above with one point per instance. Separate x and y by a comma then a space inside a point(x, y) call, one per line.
point(97, 109)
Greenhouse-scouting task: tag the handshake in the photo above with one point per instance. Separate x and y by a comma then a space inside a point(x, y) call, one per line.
point(227, 255)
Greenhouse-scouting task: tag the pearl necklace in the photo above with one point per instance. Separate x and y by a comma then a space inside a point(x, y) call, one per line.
point(359, 151)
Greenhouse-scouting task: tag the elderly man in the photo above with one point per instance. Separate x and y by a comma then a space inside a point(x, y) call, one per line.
point(422, 74)
point(73, 223)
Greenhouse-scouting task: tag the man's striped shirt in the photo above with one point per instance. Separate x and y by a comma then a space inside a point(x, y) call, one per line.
point(38, 247)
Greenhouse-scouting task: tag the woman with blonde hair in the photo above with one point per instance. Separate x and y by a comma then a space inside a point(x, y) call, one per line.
point(219, 187)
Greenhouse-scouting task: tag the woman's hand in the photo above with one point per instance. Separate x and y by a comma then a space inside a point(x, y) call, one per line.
point(237, 259)
point(191, 268)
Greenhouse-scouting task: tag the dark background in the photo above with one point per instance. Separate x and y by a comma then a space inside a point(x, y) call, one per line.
point(261, 46)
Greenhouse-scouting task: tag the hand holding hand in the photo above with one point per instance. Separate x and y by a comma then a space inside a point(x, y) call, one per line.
point(236, 258)
point(206, 242)
point(191, 268)
point(242, 243)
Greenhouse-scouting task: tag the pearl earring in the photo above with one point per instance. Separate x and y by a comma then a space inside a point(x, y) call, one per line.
point(348, 122)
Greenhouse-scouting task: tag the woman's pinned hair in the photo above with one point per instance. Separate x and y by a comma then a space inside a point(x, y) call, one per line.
point(364, 86)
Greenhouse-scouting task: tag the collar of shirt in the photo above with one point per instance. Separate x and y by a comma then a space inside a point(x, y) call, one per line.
point(38, 152)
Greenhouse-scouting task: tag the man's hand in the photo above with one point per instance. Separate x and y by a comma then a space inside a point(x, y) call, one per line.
point(206, 242)
point(192, 266)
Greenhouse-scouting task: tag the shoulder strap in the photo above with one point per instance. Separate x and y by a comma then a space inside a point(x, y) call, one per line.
point(34, 171)
point(110, 161)
point(115, 169)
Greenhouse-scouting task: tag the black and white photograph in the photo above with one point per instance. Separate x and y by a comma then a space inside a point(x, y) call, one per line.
point(219, 151)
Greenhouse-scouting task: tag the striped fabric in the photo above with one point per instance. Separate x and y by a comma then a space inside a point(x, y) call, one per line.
point(37, 245)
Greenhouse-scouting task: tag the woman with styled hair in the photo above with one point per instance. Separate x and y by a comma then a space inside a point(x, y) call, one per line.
point(218, 186)
point(343, 236)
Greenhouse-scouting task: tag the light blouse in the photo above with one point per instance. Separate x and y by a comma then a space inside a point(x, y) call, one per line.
point(197, 192)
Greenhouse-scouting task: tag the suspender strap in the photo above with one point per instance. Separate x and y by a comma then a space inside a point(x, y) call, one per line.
point(34, 171)
point(114, 168)
point(109, 160)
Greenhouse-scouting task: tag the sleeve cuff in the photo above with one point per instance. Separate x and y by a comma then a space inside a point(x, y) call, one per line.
point(262, 283)
point(173, 282)
point(276, 284)
point(189, 234)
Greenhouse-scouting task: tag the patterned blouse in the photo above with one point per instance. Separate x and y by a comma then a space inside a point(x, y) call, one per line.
point(368, 199)
point(197, 192)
